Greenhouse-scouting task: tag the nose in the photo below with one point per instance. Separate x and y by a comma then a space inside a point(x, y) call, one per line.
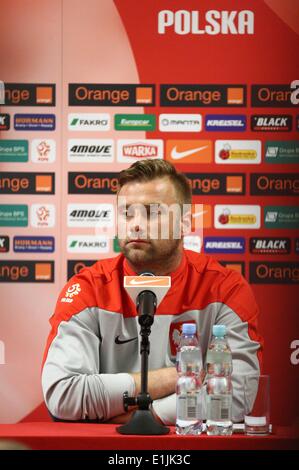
point(137, 225)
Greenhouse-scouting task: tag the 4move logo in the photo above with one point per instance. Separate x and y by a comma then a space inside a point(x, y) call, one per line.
point(90, 215)
point(90, 150)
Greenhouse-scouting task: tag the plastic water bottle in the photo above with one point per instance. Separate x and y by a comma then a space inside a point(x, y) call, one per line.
point(219, 384)
point(189, 384)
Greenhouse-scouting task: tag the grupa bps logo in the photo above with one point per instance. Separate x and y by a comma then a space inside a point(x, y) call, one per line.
point(71, 292)
point(131, 150)
point(230, 152)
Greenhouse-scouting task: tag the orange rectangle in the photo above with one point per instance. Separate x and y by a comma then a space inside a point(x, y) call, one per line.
point(144, 95)
point(189, 151)
point(201, 218)
point(235, 95)
point(43, 183)
point(43, 271)
point(44, 94)
point(234, 267)
point(234, 184)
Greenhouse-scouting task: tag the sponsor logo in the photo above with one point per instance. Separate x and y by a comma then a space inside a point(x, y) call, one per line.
point(92, 94)
point(237, 217)
point(294, 358)
point(224, 122)
point(158, 281)
point(91, 150)
point(29, 94)
point(202, 218)
point(216, 183)
point(212, 22)
point(180, 122)
point(123, 341)
point(130, 150)
point(26, 271)
point(297, 246)
point(265, 272)
point(203, 95)
point(274, 184)
point(192, 243)
point(90, 215)
point(13, 215)
point(281, 217)
point(13, 150)
point(271, 96)
point(75, 266)
point(189, 151)
point(224, 245)
point(34, 122)
point(71, 292)
point(92, 183)
point(27, 183)
point(238, 266)
point(87, 244)
point(271, 123)
point(270, 246)
point(43, 151)
point(282, 151)
point(135, 122)
point(4, 122)
point(42, 215)
point(34, 244)
point(238, 151)
point(89, 122)
point(4, 244)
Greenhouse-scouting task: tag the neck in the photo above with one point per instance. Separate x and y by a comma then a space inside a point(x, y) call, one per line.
point(162, 267)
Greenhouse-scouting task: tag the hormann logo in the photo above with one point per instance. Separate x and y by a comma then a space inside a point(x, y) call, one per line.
point(27, 183)
point(211, 22)
point(34, 122)
point(216, 183)
point(92, 94)
point(272, 96)
point(13, 150)
point(42, 215)
point(34, 244)
point(224, 245)
point(274, 184)
point(225, 122)
point(89, 122)
point(90, 215)
point(270, 246)
point(286, 217)
point(92, 183)
point(271, 123)
point(4, 122)
point(189, 151)
point(180, 122)
point(203, 95)
point(237, 217)
point(91, 150)
point(87, 244)
point(4, 244)
point(26, 271)
point(265, 272)
point(43, 150)
point(282, 151)
point(238, 151)
point(135, 122)
point(13, 215)
point(130, 150)
point(29, 94)
point(75, 266)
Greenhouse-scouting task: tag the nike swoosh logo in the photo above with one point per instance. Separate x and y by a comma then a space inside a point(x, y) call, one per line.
point(139, 283)
point(119, 341)
point(197, 214)
point(178, 155)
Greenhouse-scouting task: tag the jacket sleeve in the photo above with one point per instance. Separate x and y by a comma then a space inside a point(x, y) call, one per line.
point(73, 387)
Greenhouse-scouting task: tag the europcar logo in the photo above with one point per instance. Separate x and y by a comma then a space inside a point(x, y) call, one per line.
point(224, 245)
point(34, 122)
point(89, 122)
point(286, 217)
point(90, 215)
point(87, 244)
point(180, 122)
point(43, 150)
point(237, 217)
point(271, 123)
point(265, 272)
point(135, 122)
point(270, 246)
point(131, 150)
point(225, 122)
point(13, 150)
point(90, 150)
point(282, 151)
point(30, 244)
point(238, 151)
point(26, 271)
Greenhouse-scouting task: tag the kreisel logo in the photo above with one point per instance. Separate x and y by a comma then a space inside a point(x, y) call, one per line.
point(225, 122)
point(4, 244)
point(180, 122)
point(26, 271)
point(280, 151)
point(266, 272)
point(4, 122)
point(42, 215)
point(271, 123)
point(132, 150)
point(272, 96)
point(13, 150)
point(270, 246)
point(87, 244)
point(193, 243)
point(90, 150)
point(31, 244)
point(89, 122)
point(274, 184)
point(224, 245)
point(34, 122)
point(238, 151)
point(90, 215)
point(237, 217)
point(286, 217)
point(189, 151)
point(43, 151)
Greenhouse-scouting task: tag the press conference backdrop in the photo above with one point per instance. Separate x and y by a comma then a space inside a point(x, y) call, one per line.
point(91, 86)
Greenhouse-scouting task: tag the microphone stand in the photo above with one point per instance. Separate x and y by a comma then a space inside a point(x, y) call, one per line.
point(142, 420)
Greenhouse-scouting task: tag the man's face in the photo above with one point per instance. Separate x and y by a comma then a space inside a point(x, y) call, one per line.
point(148, 233)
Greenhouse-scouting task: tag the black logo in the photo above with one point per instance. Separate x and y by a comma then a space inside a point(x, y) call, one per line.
point(270, 246)
point(4, 244)
point(4, 122)
point(120, 341)
point(271, 123)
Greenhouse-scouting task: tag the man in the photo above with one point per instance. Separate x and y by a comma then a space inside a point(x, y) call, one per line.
point(92, 355)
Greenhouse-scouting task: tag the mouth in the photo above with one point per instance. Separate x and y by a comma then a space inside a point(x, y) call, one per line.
point(137, 241)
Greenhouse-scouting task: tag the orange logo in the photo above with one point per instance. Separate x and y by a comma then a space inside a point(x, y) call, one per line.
point(44, 95)
point(234, 184)
point(43, 271)
point(189, 151)
point(234, 266)
point(235, 96)
point(144, 95)
point(43, 183)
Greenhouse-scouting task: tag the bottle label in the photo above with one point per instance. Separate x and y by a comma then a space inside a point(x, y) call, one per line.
point(188, 406)
point(219, 407)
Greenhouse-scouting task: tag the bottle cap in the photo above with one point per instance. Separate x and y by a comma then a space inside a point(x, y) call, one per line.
point(189, 328)
point(219, 330)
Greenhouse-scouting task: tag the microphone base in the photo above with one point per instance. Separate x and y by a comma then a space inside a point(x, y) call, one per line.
point(143, 423)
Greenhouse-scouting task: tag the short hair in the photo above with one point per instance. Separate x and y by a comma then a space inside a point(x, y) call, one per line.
point(151, 169)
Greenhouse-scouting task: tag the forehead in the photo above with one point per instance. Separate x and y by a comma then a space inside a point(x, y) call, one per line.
point(145, 192)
